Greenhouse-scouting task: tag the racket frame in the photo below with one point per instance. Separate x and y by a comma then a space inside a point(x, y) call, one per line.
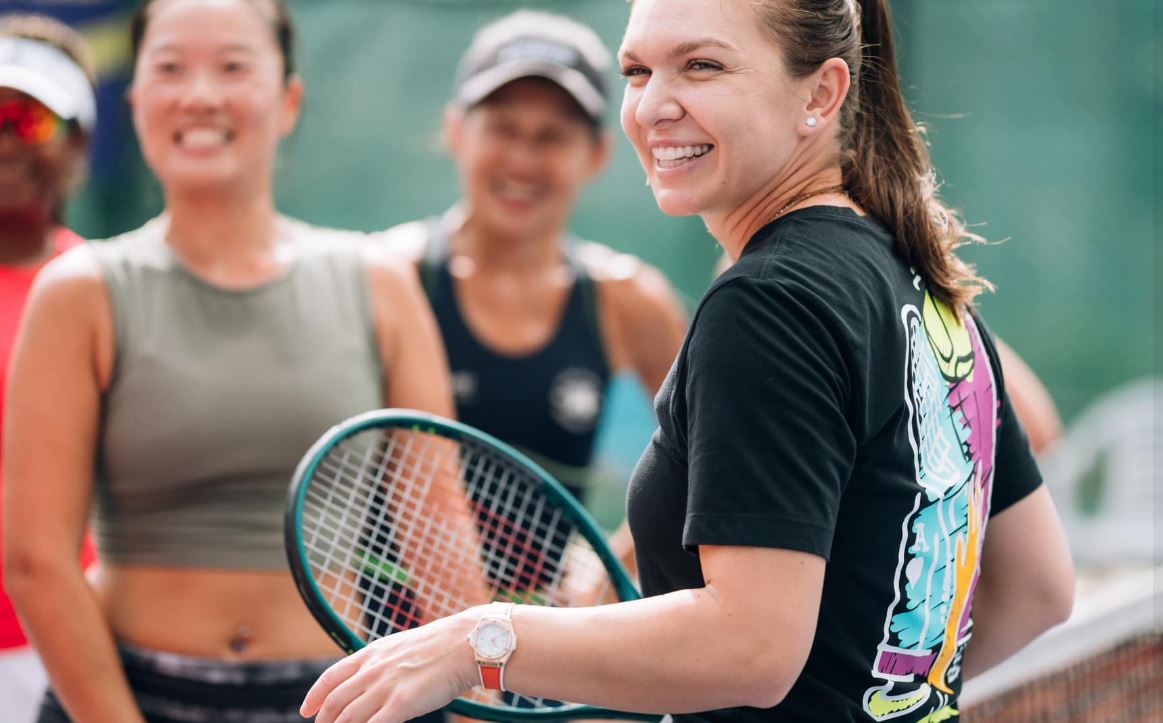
point(414, 421)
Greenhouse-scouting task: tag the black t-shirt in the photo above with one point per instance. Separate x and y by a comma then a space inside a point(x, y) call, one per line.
point(824, 402)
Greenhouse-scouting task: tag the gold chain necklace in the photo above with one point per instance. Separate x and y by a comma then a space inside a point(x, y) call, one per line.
point(805, 196)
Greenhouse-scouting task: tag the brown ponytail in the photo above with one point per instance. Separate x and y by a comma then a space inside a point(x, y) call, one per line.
point(886, 163)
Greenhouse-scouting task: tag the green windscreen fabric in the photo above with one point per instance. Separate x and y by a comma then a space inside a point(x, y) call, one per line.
point(1041, 123)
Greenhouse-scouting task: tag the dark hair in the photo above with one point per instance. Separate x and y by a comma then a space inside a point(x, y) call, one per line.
point(281, 24)
point(886, 163)
point(51, 32)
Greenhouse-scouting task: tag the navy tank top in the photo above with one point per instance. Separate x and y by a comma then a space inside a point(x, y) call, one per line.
point(546, 403)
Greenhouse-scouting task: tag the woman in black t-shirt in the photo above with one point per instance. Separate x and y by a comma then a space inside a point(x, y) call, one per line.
point(839, 518)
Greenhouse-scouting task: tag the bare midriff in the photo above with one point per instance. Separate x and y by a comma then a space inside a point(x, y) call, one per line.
point(221, 614)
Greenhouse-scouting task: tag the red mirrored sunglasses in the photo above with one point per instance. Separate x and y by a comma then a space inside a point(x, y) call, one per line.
point(30, 120)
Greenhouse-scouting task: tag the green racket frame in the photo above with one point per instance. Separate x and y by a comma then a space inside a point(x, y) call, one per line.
point(411, 420)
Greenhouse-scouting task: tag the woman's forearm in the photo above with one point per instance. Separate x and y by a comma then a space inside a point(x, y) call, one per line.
point(682, 652)
point(741, 640)
point(64, 621)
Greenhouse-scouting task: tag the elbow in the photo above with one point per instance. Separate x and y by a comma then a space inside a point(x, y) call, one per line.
point(20, 575)
point(770, 675)
point(27, 574)
point(1050, 600)
point(1058, 601)
point(1056, 593)
point(767, 696)
point(767, 691)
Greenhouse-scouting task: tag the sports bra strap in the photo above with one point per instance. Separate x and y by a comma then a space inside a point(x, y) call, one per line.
point(438, 245)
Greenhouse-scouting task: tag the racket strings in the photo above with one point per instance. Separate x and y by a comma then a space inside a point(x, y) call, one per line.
point(387, 557)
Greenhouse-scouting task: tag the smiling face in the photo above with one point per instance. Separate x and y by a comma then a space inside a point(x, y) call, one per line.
point(34, 175)
point(524, 154)
point(210, 102)
point(708, 104)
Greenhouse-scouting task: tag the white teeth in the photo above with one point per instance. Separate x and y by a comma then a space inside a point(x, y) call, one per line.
point(197, 138)
point(673, 153)
point(517, 191)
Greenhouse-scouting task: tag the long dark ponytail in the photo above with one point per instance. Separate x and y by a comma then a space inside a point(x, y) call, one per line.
point(886, 163)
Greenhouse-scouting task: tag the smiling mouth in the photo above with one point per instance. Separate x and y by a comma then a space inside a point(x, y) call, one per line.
point(518, 192)
point(675, 156)
point(198, 139)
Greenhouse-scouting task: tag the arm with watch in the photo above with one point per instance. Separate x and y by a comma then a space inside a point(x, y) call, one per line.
point(742, 639)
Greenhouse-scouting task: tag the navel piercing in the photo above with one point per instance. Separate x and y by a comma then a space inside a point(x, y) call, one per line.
point(241, 640)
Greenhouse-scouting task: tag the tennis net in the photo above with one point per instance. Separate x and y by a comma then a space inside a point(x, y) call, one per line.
point(1104, 665)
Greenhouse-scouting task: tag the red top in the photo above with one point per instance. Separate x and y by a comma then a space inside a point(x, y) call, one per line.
point(15, 284)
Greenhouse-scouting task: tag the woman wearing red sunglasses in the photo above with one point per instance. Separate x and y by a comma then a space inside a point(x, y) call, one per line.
point(171, 378)
point(46, 115)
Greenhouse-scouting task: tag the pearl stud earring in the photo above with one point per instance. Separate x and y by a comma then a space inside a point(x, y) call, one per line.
point(811, 121)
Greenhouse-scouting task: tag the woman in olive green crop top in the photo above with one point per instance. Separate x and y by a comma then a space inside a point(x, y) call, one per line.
point(171, 378)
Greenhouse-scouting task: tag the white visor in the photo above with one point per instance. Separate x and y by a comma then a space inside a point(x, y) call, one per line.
point(49, 75)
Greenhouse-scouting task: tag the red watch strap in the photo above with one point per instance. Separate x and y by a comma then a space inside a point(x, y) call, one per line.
point(491, 677)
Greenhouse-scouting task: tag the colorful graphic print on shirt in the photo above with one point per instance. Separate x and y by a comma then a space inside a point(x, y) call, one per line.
point(952, 402)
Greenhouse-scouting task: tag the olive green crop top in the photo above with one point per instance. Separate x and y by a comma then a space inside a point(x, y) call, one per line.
point(217, 393)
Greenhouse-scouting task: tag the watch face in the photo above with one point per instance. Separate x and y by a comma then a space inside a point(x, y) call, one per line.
point(492, 640)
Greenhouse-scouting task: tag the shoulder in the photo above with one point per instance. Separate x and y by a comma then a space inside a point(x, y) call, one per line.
point(399, 307)
point(770, 286)
point(824, 237)
point(76, 266)
point(143, 246)
point(758, 296)
point(406, 241)
point(388, 271)
point(72, 283)
point(771, 338)
point(745, 317)
point(643, 321)
point(629, 282)
point(100, 269)
point(321, 239)
point(89, 263)
point(841, 264)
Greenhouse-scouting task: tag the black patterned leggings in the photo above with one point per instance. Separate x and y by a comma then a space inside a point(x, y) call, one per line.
point(172, 688)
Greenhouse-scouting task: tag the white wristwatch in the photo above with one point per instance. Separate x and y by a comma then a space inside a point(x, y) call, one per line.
point(493, 641)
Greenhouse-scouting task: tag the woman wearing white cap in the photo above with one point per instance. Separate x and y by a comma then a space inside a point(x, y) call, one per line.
point(172, 377)
point(46, 118)
point(535, 321)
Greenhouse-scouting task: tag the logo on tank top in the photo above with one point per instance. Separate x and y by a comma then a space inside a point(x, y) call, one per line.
point(464, 386)
point(575, 399)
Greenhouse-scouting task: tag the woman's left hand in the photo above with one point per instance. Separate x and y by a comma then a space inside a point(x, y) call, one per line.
point(400, 677)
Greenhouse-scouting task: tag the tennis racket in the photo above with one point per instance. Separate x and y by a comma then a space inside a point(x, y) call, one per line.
point(397, 517)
